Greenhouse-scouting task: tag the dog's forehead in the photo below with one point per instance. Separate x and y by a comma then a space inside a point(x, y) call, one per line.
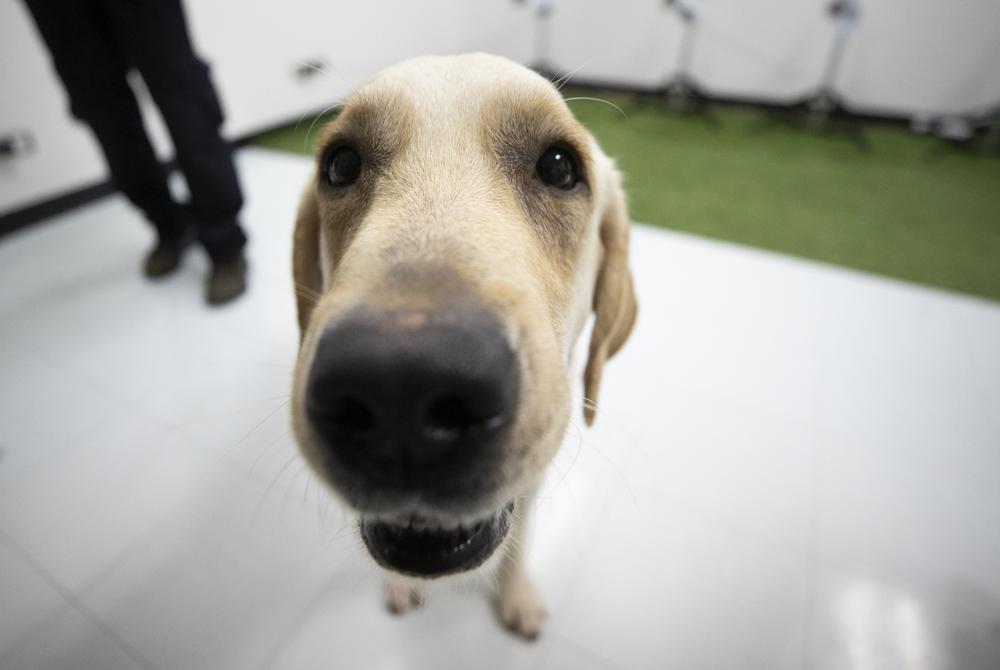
point(459, 92)
point(459, 78)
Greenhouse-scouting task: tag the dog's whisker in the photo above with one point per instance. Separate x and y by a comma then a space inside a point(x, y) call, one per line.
point(267, 489)
point(307, 294)
point(291, 485)
point(223, 415)
point(617, 470)
point(306, 291)
point(601, 100)
point(323, 505)
point(309, 298)
point(564, 79)
point(336, 534)
point(344, 525)
point(299, 122)
point(314, 67)
point(246, 364)
point(320, 509)
point(336, 105)
point(265, 451)
point(321, 114)
point(305, 489)
point(576, 455)
point(259, 424)
point(559, 471)
point(632, 440)
point(558, 78)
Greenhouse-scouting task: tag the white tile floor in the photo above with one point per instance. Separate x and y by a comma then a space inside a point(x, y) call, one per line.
point(795, 467)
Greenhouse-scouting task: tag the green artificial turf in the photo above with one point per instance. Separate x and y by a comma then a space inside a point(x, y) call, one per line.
point(904, 208)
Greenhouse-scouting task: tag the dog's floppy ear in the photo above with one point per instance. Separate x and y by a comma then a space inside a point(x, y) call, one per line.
point(614, 297)
point(306, 270)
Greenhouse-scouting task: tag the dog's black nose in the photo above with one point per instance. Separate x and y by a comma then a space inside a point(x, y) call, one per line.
point(406, 397)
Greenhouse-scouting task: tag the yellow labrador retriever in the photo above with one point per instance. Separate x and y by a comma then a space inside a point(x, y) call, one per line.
point(460, 229)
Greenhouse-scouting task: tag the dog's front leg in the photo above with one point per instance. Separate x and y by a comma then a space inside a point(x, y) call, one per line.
point(518, 602)
point(403, 593)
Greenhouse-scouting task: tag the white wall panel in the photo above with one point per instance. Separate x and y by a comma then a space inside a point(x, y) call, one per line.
point(65, 156)
point(627, 42)
point(925, 56)
point(741, 47)
point(771, 50)
point(908, 56)
point(255, 47)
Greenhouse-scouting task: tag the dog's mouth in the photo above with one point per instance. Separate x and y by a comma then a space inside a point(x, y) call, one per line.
point(414, 548)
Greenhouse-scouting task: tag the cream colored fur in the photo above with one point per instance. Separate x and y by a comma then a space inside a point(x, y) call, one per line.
point(447, 199)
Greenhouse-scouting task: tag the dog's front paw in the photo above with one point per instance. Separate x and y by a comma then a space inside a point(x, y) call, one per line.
point(402, 595)
point(520, 608)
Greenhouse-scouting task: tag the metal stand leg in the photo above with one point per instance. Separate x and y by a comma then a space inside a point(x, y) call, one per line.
point(682, 94)
point(543, 29)
point(824, 111)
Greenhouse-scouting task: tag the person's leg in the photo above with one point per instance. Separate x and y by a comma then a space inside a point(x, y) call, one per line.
point(158, 43)
point(93, 71)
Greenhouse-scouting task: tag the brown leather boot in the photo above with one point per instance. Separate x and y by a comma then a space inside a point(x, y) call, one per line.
point(227, 281)
point(165, 257)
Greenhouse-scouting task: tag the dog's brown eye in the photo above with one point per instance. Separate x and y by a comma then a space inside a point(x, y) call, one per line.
point(343, 167)
point(557, 167)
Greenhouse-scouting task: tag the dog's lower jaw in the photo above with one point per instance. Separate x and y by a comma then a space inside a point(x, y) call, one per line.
point(518, 604)
point(417, 548)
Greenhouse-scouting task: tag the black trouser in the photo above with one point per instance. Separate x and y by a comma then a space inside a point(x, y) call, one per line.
point(94, 43)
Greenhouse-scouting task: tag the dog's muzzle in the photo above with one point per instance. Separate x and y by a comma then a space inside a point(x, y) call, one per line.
point(412, 412)
point(412, 547)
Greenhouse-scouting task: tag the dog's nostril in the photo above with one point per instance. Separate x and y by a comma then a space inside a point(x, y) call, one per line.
point(450, 417)
point(446, 419)
point(351, 415)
